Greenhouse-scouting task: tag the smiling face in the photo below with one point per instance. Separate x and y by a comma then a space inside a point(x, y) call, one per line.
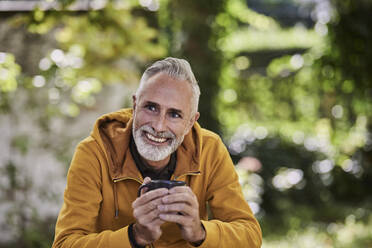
point(162, 117)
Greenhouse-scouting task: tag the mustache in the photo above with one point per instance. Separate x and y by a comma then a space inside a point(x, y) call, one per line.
point(150, 130)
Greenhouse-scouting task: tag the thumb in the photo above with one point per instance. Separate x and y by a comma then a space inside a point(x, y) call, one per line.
point(146, 180)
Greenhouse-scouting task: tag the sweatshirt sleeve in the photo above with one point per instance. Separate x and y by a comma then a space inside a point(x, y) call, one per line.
point(233, 223)
point(76, 223)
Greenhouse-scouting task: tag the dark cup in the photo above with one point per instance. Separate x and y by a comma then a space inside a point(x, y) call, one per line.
point(157, 184)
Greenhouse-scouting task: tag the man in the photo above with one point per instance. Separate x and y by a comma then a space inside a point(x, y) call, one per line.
point(158, 139)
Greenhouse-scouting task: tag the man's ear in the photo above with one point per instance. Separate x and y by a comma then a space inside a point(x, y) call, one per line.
point(193, 120)
point(134, 101)
point(196, 117)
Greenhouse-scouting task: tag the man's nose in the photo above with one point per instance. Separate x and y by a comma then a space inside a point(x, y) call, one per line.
point(159, 124)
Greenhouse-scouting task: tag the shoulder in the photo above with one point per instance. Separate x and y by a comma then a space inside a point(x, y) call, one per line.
point(88, 150)
point(88, 141)
point(86, 162)
point(88, 144)
point(210, 138)
point(212, 145)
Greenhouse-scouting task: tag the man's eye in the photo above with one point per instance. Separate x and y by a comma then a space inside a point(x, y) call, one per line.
point(175, 115)
point(151, 107)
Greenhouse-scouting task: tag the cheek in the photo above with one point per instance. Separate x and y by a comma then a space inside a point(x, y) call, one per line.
point(179, 130)
point(140, 119)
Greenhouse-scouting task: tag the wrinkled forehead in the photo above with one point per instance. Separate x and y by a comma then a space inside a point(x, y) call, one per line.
point(167, 91)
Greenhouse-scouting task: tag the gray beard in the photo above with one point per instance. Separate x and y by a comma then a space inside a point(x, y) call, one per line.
point(151, 152)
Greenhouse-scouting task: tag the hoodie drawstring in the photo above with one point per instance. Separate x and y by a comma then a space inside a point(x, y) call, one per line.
point(116, 202)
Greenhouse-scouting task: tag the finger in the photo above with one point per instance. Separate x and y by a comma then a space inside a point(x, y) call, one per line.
point(175, 218)
point(143, 190)
point(147, 219)
point(144, 219)
point(149, 196)
point(180, 189)
point(151, 224)
point(145, 181)
point(153, 194)
point(147, 207)
point(157, 222)
point(148, 212)
point(177, 208)
point(180, 197)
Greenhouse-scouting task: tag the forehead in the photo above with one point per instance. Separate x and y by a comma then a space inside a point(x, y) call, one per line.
point(167, 91)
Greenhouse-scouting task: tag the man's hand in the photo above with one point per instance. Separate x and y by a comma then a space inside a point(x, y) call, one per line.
point(147, 227)
point(181, 207)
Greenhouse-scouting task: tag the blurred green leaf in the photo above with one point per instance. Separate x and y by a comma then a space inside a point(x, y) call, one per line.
point(9, 71)
point(21, 142)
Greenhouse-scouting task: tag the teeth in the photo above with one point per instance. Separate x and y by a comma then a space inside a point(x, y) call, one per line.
point(153, 138)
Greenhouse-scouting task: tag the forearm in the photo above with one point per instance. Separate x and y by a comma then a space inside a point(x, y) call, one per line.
point(233, 224)
point(242, 233)
point(112, 239)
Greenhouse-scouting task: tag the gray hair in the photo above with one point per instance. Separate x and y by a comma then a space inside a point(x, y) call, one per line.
point(176, 68)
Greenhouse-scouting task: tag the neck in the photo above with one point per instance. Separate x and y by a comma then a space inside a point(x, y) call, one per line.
point(156, 165)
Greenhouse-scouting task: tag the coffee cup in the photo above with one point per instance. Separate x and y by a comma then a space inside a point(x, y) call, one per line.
point(157, 184)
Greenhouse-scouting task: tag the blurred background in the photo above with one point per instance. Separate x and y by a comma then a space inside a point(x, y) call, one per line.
point(286, 83)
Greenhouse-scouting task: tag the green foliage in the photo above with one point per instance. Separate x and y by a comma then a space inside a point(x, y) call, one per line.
point(21, 142)
point(348, 234)
point(39, 233)
point(250, 39)
point(74, 72)
point(11, 172)
point(350, 34)
point(9, 72)
point(308, 91)
point(300, 103)
point(189, 31)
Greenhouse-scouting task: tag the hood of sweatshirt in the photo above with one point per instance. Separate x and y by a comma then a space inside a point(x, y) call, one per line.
point(112, 132)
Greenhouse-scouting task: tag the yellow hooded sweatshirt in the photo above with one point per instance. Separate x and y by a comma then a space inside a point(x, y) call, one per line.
point(103, 180)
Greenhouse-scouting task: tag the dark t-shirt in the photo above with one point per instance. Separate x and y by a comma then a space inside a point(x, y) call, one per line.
point(146, 171)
